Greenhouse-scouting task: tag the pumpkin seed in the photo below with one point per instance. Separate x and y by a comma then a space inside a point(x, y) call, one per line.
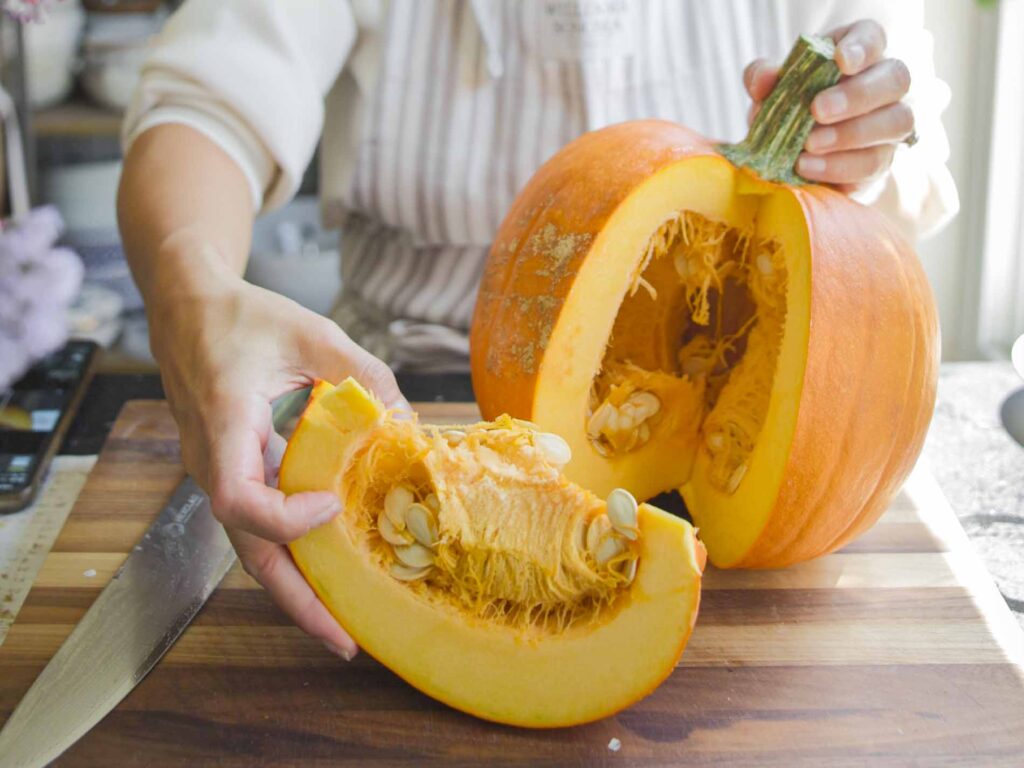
point(628, 533)
point(420, 522)
point(432, 502)
point(599, 420)
point(715, 441)
point(623, 428)
point(405, 573)
point(645, 405)
point(396, 502)
point(622, 512)
point(681, 263)
point(598, 529)
point(526, 424)
point(629, 569)
point(553, 447)
point(415, 555)
point(736, 478)
point(643, 433)
point(612, 422)
point(764, 264)
point(453, 436)
point(389, 533)
point(609, 547)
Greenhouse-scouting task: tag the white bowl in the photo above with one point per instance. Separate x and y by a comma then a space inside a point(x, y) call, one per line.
point(50, 48)
point(308, 273)
point(1017, 355)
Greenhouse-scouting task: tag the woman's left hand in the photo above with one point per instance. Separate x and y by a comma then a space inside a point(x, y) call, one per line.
point(860, 120)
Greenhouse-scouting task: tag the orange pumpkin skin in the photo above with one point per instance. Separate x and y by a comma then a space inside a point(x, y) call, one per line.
point(521, 294)
point(871, 361)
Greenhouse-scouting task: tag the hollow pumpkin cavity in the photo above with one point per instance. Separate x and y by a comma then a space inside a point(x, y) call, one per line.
point(694, 346)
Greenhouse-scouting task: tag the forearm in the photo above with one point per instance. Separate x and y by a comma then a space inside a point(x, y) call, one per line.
point(185, 213)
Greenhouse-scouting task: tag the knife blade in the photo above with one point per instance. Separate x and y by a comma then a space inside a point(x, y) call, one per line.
point(138, 616)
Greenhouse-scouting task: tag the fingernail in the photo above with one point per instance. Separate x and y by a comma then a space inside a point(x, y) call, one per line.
point(821, 138)
point(853, 55)
point(345, 654)
point(326, 514)
point(810, 165)
point(831, 104)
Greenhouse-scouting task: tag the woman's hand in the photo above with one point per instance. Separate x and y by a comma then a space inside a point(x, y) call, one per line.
point(226, 350)
point(860, 120)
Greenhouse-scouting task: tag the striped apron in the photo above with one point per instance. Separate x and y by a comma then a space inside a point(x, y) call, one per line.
point(471, 97)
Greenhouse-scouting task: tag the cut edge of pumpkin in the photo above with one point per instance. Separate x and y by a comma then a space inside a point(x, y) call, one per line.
point(710, 187)
point(732, 523)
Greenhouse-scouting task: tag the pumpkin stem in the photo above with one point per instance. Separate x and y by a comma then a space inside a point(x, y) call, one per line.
point(778, 133)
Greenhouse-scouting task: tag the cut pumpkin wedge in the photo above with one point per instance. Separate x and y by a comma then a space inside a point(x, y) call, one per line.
point(465, 562)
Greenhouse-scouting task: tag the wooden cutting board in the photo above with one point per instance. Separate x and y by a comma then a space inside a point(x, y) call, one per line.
point(897, 649)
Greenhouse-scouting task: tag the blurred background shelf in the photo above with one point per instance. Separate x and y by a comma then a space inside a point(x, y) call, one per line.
point(73, 73)
point(76, 118)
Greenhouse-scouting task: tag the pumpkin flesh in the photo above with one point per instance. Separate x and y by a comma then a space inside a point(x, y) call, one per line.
point(539, 651)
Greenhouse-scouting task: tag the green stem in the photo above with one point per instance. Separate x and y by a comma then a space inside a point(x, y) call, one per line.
point(780, 129)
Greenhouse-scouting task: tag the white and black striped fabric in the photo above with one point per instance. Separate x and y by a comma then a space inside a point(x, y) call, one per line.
point(472, 97)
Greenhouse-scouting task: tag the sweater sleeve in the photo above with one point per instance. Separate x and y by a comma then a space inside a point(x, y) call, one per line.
point(251, 75)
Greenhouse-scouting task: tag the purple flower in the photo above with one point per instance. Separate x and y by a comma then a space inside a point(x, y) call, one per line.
point(37, 284)
point(25, 10)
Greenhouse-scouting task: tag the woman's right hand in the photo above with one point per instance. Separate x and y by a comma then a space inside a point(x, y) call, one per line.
point(226, 349)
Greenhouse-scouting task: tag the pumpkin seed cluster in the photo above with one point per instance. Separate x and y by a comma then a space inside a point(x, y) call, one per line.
point(482, 518)
point(620, 428)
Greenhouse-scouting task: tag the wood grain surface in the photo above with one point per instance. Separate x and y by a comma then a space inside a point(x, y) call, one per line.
point(897, 650)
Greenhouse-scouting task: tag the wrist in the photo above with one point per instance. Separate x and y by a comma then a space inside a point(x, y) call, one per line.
point(187, 268)
point(186, 281)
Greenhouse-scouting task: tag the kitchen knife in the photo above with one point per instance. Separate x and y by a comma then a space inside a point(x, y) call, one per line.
point(138, 616)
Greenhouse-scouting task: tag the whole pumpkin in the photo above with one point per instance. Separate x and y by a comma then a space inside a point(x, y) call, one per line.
point(698, 318)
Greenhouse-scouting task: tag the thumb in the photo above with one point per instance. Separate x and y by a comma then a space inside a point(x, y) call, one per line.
point(330, 354)
point(238, 493)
